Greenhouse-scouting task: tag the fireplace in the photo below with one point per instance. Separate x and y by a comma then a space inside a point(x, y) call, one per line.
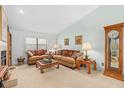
point(3, 57)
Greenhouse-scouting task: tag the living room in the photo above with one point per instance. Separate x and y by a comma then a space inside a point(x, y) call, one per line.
point(76, 40)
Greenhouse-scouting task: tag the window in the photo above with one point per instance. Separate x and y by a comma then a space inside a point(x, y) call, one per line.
point(35, 43)
point(42, 43)
point(30, 41)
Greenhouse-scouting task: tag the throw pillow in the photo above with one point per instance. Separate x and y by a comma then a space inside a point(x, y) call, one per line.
point(30, 53)
point(76, 55)
point(33, 52)
point(44, 51)
point(64, 53)
point(59, 52)
point(40, 52)
point(70, 53)
point(67, 53)
point(36, 52)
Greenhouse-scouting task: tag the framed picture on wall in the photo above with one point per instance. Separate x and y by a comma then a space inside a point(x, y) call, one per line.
point(66, 41)
point(78, 40)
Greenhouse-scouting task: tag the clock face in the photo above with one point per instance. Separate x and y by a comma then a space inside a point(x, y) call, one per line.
point(113, 34)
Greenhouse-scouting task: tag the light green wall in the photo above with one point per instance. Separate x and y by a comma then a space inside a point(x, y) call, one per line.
point(91, 28)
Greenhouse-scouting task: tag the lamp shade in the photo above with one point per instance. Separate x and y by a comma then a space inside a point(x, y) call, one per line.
point(56, 46)
point(86, 46)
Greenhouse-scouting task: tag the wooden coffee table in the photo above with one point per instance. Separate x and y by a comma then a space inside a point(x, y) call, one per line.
point(41, 65)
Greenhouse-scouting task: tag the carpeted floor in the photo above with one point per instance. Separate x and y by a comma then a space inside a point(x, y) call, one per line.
point(30, 77)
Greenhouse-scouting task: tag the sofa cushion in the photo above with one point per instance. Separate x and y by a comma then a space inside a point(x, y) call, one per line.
point(59, 52)
point(75, 51)
point(80, 58)
point(68, 59)
point(36, 58)
point(40, 52)
point(44, 56)
point(57, 57)
point(67, 53)
point(72, 65)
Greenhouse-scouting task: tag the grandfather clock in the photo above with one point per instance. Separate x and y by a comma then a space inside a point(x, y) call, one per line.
point(114, 51)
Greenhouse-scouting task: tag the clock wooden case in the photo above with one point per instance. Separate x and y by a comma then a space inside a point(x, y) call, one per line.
point(114, 51)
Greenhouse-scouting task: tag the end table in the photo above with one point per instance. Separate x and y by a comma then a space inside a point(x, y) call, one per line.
point(20, 60)
point(88, 63)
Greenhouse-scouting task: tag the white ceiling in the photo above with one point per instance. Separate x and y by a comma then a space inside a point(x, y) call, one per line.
point(46, 18)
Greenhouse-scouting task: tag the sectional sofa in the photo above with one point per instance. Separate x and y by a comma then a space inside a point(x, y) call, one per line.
point(34, 55)
point(65, 57)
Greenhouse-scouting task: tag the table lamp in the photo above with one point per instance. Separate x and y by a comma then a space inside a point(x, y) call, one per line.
point(56, 46)
point(86, 46)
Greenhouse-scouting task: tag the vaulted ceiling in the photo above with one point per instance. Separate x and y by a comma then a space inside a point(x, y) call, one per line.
point(45, 18)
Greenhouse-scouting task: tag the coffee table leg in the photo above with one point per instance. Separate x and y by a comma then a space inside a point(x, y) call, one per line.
point(89, 68)
point(78, 66)
point(36, 65)
point(94, 65)
point(57, 66)
point(41, 70)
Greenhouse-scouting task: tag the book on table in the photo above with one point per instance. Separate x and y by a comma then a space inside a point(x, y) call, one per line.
point(46, 60)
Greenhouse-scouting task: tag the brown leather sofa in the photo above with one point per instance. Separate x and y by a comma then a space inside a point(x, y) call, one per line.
point(64, 57)
point(67, 57)
point(34, 55)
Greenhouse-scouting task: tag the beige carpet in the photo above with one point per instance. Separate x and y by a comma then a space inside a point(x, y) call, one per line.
point(30, 77)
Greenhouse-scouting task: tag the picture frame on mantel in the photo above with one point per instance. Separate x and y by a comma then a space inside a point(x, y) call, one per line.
point(66, 41)
point(78, 40)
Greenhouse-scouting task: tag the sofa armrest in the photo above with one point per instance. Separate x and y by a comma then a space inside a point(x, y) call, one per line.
point(28, 56)
point(79, 59)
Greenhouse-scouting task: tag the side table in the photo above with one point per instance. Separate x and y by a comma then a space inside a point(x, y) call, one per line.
point(20, 60)
point(88, 63)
